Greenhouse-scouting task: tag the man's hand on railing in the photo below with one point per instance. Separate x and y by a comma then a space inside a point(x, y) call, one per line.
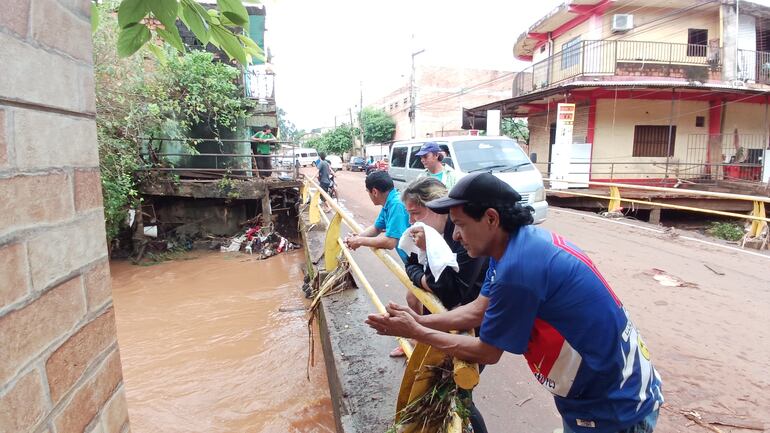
point(353, 242)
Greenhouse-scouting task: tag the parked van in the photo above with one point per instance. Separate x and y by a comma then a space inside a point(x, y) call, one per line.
point(469, 154)
point(305, 156)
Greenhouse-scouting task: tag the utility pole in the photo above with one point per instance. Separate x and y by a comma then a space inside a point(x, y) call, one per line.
point(352, 136)
point(412, 96)
point(737, 35)
point(361, 116)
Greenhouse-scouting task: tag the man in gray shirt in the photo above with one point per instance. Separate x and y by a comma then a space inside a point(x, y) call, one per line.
point(325, 174)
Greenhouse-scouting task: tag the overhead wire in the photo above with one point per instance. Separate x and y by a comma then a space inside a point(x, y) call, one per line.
point(604, 27)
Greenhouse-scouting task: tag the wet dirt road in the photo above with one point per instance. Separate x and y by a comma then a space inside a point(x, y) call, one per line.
point(218, 344)
point(709, 334)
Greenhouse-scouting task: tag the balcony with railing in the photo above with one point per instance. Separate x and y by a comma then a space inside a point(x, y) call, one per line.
point(636, 60)
point(754, 66)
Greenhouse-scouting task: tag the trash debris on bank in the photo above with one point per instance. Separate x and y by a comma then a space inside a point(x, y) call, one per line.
point(262, 242)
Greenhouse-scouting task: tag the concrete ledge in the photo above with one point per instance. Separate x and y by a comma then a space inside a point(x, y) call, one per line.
point(363, 380)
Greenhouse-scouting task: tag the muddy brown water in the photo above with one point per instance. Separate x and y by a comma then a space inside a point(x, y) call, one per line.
point(218, 343)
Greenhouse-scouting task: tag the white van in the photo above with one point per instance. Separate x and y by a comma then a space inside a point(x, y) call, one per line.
point(305, 156)
point(468, 154)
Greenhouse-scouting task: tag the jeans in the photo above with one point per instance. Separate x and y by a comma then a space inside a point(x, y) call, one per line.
point(647, 425)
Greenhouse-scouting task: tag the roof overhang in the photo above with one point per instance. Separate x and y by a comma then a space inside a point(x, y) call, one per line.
point(560, 20)
point(535, 102)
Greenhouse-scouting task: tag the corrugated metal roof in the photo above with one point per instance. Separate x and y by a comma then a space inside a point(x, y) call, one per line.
point(559, 89)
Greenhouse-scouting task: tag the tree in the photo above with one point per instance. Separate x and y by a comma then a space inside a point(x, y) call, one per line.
point(288, 129)
point(140, 20)
point(378, 126)
point(516, 128)
point(204, 90)
point(336, 141)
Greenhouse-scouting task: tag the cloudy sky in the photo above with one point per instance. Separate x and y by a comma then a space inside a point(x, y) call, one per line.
point(324, 52)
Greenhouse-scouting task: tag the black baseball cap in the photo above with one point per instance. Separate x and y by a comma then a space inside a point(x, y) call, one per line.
point(483, 188)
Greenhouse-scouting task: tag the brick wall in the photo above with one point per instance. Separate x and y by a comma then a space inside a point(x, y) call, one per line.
point(59, 361)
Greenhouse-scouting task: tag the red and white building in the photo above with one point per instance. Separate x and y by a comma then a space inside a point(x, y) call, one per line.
point(670, 89)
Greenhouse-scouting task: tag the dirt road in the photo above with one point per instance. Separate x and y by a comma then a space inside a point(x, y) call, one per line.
point(703, 308)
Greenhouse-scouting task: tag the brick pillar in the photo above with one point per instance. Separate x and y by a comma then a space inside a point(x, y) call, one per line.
point(59, 361)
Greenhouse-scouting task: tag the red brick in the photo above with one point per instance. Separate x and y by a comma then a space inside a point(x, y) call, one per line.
point(88, 190)
point(98, 285)
point(24, 405)
point(27, 332)
point(34, 199)
point(115, 414)
point(14, 269)
point(91, 396)
point(68, 363)
point(3, 141)
point(15, 16)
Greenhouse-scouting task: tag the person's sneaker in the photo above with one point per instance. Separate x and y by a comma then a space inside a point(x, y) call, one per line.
point(558, 430)
point(397, 352)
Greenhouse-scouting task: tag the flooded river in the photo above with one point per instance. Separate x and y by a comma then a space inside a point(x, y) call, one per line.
point(218, 343)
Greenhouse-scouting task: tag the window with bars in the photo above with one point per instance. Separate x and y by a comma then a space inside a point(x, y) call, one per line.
point(652, 140)
point(570, 53)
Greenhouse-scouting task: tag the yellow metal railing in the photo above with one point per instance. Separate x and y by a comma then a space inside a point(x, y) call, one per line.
point(757, 217)
point(466, 374)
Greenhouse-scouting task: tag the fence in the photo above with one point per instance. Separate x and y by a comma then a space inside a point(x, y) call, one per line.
point(754, 66)
point(737, 156)
point(597, 58)
point(216, 160)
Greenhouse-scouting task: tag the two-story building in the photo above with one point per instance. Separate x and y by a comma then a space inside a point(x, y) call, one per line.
point(662, 89)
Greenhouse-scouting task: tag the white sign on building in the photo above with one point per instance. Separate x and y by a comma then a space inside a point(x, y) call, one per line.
point(561, 154)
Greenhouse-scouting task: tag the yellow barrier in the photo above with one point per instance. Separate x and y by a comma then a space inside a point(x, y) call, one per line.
point(757, 217)
point(466, 374)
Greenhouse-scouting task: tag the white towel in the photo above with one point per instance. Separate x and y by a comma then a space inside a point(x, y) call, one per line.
point(438, 255)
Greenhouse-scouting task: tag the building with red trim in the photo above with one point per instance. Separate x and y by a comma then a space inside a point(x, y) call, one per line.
point(670, 89)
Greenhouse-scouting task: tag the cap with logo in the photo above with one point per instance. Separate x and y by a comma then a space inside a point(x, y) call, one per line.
point(428, 148)
point(483, 188)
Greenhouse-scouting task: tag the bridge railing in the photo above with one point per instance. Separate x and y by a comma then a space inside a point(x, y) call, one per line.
point(757, 217)
point(466, 375)
point(214, 157)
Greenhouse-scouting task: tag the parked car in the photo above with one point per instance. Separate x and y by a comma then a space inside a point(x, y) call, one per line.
point(334, 161)
point(468, 154)
point(304, 157)
point(356, 163)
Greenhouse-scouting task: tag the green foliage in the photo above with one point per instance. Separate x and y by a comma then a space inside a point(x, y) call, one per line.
point(378, 126)
point(288, 130)
point(137, 97)
point(336, 141)
point(725, 230)
point(204, 90)
point(139, 20)
point(516, 128)
point(118, 159)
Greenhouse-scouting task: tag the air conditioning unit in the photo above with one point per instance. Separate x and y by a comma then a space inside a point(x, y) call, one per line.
point(622, 22)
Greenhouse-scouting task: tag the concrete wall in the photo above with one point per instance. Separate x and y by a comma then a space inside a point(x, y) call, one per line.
point(614, 135)
point(649, 24)
point(59, 363)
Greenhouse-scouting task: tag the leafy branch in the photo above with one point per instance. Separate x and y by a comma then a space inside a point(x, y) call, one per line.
point(139, 20)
